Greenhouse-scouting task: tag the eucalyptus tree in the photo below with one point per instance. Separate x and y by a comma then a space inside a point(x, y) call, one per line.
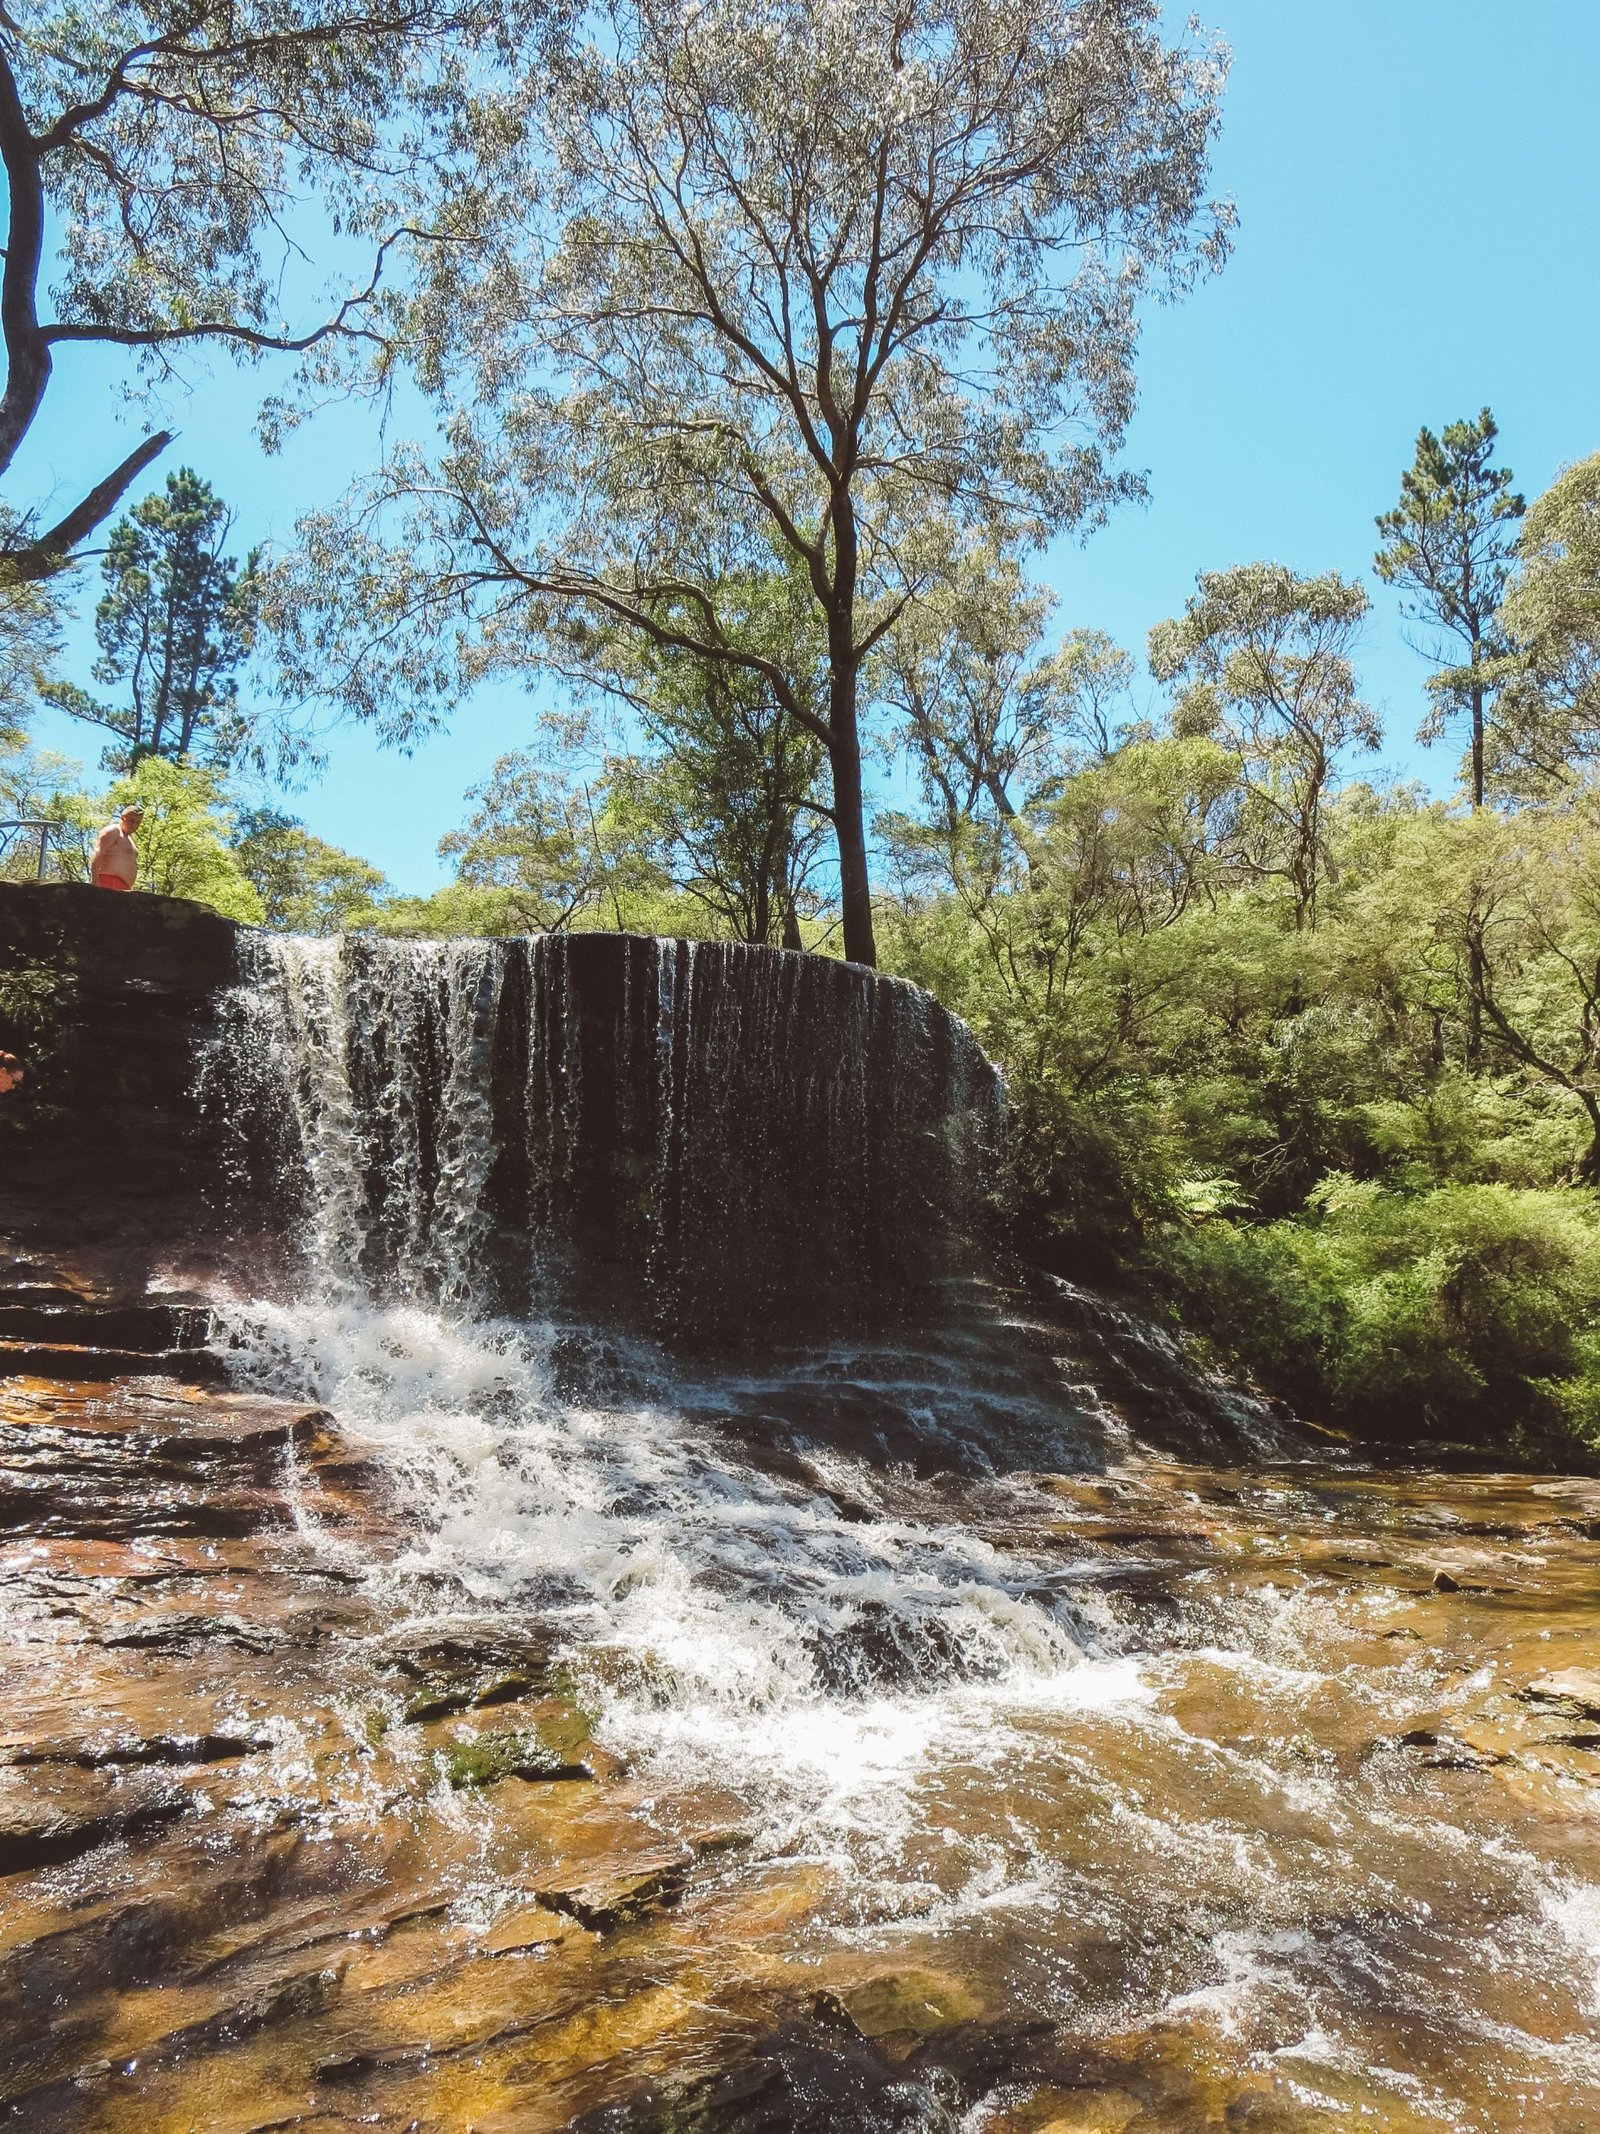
point(625, 839)
point(732, 802)
point(992, 720)
point(1448, 543)
point(728, 785)
point(306, 885)
point(1262, 662)
point(817, 275)
point(165, 162)
point(553, 848)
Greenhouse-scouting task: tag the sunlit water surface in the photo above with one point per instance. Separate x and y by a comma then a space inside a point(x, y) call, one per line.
point(1186, 1761)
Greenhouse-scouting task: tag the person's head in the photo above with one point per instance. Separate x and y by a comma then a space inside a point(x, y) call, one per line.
point(132, 817)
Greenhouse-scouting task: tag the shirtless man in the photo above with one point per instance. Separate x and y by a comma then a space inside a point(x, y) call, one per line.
point(11, 1075)
point(114, 863)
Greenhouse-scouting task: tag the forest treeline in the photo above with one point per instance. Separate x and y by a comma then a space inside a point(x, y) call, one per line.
point(1308, 1056)
point(754, 355)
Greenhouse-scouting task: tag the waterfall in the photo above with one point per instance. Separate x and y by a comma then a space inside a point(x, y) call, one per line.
point(468, 1134)
point(1146, 1747)
point(702, 1134)
point(977, 1673)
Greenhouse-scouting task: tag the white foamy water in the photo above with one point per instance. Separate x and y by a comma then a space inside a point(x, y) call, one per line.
point(928, 1684)
point(1574, 1911)
point(828, 1657)
point(964, 1735)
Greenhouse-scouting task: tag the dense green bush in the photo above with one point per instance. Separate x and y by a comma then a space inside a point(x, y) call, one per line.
point(1471, 1312)
point(1354, 1152)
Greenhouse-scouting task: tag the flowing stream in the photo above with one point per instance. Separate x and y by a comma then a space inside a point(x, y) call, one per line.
point(1220, 1791)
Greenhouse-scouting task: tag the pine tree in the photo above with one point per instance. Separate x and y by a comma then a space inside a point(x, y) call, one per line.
point(1448, 543)
point(176, 622)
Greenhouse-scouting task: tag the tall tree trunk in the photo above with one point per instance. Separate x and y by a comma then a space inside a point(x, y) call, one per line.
point(189, 706)
point(27, 351)
point(849, 822)
point(1475, 948)
point(1475, 977)
point(158, 718)
point(844, 741)
point(1477, 735)
point(1586, 1171)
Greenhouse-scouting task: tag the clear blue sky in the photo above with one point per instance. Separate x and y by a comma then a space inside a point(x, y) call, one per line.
point(1419, 233)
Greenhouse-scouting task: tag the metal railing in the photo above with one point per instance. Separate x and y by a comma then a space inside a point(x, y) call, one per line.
point(13, 833)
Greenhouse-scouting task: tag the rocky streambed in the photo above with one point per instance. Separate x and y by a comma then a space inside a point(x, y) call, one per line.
point(547, 1583)
point(342, 1789)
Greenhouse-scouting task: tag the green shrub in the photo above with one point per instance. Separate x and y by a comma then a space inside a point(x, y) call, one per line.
point(1471, 1312)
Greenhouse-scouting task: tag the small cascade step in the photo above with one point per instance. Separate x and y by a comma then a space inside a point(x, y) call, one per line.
point(48, 1330)
point(143, 1458)
point(79, 1360)
point(15, 1290)
point(29, 1277)
point(145, 1327)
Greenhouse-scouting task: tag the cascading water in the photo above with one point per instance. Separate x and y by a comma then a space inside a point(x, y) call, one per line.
point(748, 1123)
point(1141, 1748)
point(363, 1077)
point(711, 1135)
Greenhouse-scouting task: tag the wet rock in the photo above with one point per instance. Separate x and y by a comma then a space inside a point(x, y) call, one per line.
point(158, 1419)
point(977, 2058)
point(1449, 1752)
point(126, 1458)
point(362, 2062)
point(474, 1694)
point(709, 1842)
point(140, 1749)
point(498, 1753)
point(533, 1738)
point(180, 1632)
point(529, 1927)
point(279, 2003)
point(306, 1994)
point(880, 1645)
point(462, 1643)
point(146, 1327)
point(615, 1894)
point(466, 1664)
point(47, 1817)
point(813, 2074)
point(898, 2009)
point(831, 2013)
point(1572, 1691)
point(45, 1359)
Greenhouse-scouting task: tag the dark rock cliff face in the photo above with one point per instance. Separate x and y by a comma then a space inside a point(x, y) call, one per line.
point(699, 1138)
point(106, 1000)
point(694, 1137)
